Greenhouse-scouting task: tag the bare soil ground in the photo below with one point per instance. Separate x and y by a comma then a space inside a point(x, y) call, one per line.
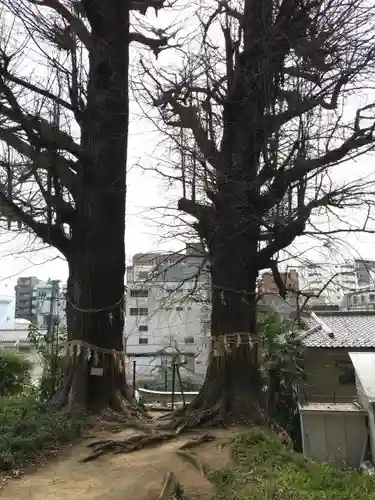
point(138, 475)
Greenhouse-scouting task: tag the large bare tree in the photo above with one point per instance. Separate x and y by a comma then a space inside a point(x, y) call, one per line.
point(64, 109)
point(260, 107)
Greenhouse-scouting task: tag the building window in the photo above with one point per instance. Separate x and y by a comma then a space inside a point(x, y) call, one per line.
point(189, 340)
point(138, 311)
point(143, 340)
point(346, 374)
point(179, 308)
point(143, 275)
point(143, 328)
point(372, 297)
point(139, 293)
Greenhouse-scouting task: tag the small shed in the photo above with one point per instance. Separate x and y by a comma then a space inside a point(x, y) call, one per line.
point(334, 432)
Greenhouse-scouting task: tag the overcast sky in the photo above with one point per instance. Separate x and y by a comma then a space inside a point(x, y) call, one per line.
point(145, 191)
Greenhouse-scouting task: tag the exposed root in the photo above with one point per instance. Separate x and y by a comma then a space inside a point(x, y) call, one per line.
point(169, 486)
point(133, 443)
point(190, 418)
point(204, 438)
point(140, 441)
point(192, 458)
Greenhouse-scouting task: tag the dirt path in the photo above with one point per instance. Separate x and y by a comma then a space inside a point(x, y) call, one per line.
point(137, 476)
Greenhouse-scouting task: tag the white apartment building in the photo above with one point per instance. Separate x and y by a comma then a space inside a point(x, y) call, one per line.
point(361, 300)
point(50, 304)
point(41, 302)
point(167, 311)
point(329, 280)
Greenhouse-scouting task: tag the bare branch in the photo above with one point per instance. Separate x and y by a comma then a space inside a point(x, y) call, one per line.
point(155, 44)
point(51, 235)
point(187, 117)
point(75, 24)
point(42, 160)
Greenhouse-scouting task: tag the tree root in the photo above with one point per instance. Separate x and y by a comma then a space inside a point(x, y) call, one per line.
point(192, 458)
point(140, 441)
point(133, 443)
point(204, 438)
point(169, 486)
point(167, 429)
point(190, 418)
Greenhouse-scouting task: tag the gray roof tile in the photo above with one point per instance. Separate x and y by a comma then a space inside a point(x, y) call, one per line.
point(340, 329)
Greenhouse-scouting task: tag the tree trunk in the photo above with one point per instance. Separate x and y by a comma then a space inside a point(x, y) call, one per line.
point(233, 383)
point(97, 262)
point(96, 324)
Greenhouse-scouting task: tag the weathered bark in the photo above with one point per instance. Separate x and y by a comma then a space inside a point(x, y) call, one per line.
point(233, 380)
point(97, 259)
point(233, 384)
point(96, 303)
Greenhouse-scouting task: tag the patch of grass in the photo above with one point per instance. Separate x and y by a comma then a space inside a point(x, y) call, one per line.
point(27, 428)
point(265, 470)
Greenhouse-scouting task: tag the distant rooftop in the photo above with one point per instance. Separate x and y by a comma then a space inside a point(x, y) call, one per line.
point(335, 329)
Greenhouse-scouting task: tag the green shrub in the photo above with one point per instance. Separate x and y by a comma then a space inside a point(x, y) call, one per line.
point(49, 348)
point(265, 470)
point(14, 372)
point(28, 427)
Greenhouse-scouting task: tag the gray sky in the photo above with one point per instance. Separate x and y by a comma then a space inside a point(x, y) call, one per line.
point(146, 191)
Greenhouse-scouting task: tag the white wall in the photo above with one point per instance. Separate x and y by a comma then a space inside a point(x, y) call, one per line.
point(7, 308)
point(170, 321)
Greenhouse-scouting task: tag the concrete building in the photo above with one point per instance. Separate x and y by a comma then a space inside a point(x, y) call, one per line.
point(328, 281)
point(26, 294)
point(360, 300)
point(365, 272)
point(50, 305)
point(42, 303)
point(267, 285)
point(167, 311)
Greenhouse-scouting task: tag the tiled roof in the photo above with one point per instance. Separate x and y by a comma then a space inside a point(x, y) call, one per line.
point(340, 329)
